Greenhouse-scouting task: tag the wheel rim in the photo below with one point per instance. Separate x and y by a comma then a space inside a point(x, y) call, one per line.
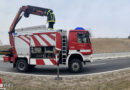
point(21, 66)
point(75, 66)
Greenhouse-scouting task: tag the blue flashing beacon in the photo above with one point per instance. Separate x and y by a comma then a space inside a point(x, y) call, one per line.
point(79, 28)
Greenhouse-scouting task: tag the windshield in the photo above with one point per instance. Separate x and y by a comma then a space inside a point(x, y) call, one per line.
point(82, 37)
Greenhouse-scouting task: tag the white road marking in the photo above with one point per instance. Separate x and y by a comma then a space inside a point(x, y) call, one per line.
point(98, 64)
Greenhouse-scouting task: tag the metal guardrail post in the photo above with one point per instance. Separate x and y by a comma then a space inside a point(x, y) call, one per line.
point(58, 71)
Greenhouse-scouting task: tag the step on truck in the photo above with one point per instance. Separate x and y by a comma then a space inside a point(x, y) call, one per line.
point(37, 45)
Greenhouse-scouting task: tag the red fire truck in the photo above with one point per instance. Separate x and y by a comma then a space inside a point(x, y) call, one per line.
point(39, 46)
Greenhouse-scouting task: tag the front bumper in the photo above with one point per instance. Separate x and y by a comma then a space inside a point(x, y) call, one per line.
point(88, 58)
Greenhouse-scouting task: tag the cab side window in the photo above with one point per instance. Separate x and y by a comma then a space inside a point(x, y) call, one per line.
point(82, 38)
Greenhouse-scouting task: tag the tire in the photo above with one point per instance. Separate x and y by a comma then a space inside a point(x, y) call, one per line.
point(75, 66)
point(22, 65)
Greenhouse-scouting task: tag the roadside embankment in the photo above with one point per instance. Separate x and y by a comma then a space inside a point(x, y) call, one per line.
point(111, 45)
point(116, 80)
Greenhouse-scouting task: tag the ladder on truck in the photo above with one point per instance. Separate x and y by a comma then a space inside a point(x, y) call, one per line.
point(64, 46)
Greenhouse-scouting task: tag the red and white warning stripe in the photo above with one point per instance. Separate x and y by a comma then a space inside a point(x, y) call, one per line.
point(39, 40)
point(26, 36)
point(51, 41)
point(25, 39)
point(43, 40)
point(1, 85)
point(43, 62)
point(35, 40)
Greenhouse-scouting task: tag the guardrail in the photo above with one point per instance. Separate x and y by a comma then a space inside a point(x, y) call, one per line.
point(103, 55)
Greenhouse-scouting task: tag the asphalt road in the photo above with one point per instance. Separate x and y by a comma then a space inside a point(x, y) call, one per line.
point(95, 67)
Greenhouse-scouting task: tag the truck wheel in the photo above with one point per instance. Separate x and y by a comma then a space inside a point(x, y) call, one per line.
point(31, 67)
point(22, 65)
point(75, 66)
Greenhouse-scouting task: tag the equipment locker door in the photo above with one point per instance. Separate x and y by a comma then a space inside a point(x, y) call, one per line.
point(42, 49)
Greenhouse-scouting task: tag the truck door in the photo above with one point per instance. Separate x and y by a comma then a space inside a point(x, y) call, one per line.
point(83, 44)
point(79, 41)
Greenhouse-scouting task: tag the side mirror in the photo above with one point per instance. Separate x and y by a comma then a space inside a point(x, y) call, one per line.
point(89, 33)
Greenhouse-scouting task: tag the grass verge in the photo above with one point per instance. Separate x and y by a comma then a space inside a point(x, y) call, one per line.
point(119, 80)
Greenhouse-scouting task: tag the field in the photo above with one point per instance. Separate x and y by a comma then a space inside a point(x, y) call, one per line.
point(119, 80)
point(106, 45)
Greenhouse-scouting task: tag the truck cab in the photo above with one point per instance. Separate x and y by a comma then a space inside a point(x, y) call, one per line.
point(79, 41)
point(79, 49)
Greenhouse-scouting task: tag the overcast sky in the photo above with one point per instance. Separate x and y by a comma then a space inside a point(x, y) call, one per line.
point(104, 18)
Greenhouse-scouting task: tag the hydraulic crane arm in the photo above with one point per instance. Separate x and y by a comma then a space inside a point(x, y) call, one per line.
point(26, 11)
